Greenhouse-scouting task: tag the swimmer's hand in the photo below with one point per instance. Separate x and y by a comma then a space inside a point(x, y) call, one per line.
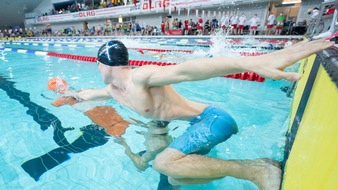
point(64, 100)
point(93, 94)
point(272, 65)
point(120, 140)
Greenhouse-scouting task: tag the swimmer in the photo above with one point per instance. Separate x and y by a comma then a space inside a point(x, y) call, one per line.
point(147, 90)
point(167, 56)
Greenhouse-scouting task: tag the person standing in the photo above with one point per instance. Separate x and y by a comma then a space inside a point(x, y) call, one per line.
point(162, 28)
point(254, 22)
point(242, 20)
point(225, 22)
point(48, 30)
point(270, 23)
point(234, 22)
point(200, 26)
point(280, 23)
point(186, 27)
point(214, 24)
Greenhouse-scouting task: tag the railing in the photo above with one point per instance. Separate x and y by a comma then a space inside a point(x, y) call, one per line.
point(323, 20)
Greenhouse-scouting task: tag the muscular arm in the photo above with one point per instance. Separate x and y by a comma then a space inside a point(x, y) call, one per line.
point(191, 70)
point(269, 65)
point(93, 94)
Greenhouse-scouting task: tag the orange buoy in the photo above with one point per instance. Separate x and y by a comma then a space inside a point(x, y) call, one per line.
point(58, 85)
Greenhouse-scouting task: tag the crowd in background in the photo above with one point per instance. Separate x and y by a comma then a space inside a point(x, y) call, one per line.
point(232, 25)
point(226, 25)
point(89, 5)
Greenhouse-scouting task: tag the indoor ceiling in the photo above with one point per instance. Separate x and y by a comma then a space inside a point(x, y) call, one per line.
point(12, 12)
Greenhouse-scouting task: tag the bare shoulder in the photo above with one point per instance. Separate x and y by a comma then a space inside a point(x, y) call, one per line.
point(142, 74)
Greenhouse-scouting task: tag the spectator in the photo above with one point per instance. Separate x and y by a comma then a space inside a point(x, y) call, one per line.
point(280, 23)
point(191, 26)
point(186, 27)
point(313, 13)
point(270, 23)
point(254, 22)
point(225, 22)
point(234, 22)
point(180, 24)
point(242, 20)
point(48, 29)
point(214, 24)
point(162, 27)
point(138, 28)
point(199, 26)
point(207, 27)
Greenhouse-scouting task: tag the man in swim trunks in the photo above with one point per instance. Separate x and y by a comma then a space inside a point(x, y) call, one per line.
point(147, 91)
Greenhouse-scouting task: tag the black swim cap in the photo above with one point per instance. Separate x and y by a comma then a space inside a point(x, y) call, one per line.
point(113, 53)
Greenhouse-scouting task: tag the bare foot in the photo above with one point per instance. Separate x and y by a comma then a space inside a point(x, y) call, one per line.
point(266, 173)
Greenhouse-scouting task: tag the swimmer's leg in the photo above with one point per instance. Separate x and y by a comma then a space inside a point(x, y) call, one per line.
point(190, 181)
point(178, 165)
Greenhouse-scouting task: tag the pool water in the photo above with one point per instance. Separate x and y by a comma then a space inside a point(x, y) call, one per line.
point(32, 128)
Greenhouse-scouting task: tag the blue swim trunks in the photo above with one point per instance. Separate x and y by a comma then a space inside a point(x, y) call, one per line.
point(208, 129)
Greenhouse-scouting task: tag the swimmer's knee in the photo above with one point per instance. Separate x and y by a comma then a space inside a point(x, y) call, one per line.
point(165, 161)
point(162, 162)
point(159, 164)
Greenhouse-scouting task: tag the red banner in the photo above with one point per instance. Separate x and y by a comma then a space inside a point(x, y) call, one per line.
point(173, 32)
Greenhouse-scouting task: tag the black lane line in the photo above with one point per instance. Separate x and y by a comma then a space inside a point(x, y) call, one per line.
point(290, 138)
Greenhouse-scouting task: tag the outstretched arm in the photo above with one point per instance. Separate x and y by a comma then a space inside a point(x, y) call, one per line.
point(268, 65)
point(93, 94)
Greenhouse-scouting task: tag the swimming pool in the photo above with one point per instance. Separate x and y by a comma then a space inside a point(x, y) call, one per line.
point(32, 128)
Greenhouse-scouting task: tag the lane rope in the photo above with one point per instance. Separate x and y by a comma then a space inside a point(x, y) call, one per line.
point(243, 76)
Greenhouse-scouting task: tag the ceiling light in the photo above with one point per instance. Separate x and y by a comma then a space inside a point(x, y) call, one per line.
point(291, 1)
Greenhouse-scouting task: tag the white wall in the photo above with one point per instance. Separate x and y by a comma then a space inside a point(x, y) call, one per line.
point(152, 20)
point(44, 7)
